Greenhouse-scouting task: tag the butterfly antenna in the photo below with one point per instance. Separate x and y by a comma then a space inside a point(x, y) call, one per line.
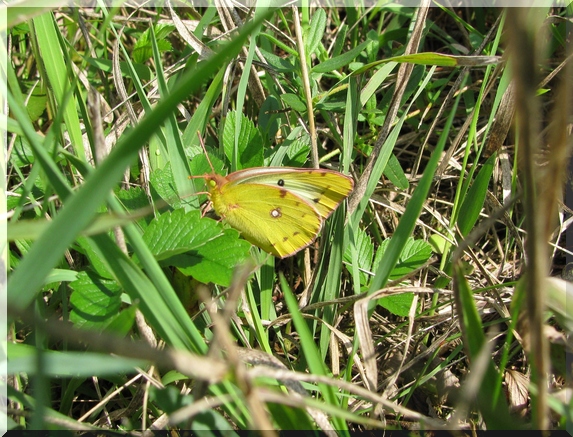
point(205, 150)
point(206, 156)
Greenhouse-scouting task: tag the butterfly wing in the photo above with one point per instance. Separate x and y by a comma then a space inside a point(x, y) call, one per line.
point(270, 217)
point(323, 189)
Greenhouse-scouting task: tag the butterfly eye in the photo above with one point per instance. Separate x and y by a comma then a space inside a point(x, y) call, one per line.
point(281, 182)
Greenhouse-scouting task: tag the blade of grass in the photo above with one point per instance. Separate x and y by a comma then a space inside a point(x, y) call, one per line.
point(493, 407)
point(412, 212)
point(331, 263)
point(384, 156)
point(178, 160)
point(54, 61)
point(312, 355)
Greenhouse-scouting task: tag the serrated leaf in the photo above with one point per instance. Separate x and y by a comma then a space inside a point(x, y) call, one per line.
point(94, 301)
point(173, 233)
point(142, 50)
point(197, 246)
point(163, 186)
point(297, 153)
point(133, 199)
point(215, 261)
point(95, 259)
point(398, 304)
point(365, 249)
point(414, 254)
point(250, 142)
point(394, 172)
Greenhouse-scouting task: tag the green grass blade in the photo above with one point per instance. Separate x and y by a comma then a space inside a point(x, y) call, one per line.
point(312, 355)
point(57, 71)
point(412, 212)
point(177, 158)
point(475, 198)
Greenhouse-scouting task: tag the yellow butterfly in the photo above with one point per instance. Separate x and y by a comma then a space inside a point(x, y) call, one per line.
point(279, 209)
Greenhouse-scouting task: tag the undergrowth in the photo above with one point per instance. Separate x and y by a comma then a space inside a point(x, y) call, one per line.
point(132, 307)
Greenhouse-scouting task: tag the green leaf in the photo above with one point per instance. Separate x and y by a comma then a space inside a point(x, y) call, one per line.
point(437, 59)
point(279, 64)
point(493, 406)
point(94, 257)
point(475, 198)
point(216, 261)
point(163, 186)
point(290, 418)
point(315, 31)
point(293, 101)
point(142, 71)
point(414, 254)
point(398, 304)
point(311, 353)
point(142, 50)
point(33, 229)
point(365, 249)
point(49, 44)
point(61, 275)
point(393, 171)
point(79, 210)
point(37, 99)
point(177, 232)
point(22, 154)
point(250, 141)
point(206, 422)
point(197, 246)
point(95, 300)
point(341, 60)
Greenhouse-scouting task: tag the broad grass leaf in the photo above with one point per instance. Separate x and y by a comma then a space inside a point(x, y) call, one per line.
point(475, 198)
point(315, 32)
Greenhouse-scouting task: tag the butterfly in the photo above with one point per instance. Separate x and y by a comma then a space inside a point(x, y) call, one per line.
point(279, 209)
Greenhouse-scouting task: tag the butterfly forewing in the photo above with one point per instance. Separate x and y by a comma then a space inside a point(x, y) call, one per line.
point(272, 218)
point(322, 189)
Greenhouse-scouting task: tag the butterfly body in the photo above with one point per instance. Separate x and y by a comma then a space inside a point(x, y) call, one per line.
point(280, 210)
